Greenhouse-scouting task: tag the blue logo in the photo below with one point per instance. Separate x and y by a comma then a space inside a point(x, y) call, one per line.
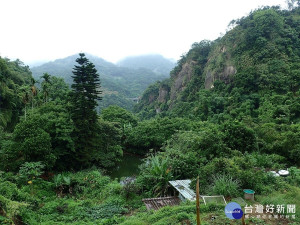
point(233, 211)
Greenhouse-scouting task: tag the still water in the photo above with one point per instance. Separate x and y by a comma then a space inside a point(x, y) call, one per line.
point(127, 167)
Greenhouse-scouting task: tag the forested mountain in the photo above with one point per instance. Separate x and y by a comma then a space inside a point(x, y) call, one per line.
point(252, 71)
point(119, 84)
point(156, 63)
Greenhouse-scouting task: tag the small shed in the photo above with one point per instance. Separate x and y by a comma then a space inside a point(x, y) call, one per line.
point(157, 203)
point(183, 187)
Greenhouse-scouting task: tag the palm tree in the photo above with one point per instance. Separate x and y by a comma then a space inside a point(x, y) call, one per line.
point(25, 98)
point(33, 90)
point(45, 85)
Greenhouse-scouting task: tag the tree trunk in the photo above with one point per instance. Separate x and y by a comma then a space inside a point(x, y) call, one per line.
point(25, 112)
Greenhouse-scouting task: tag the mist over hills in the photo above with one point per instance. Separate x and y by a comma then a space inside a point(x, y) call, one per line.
point(120, 83)
point(154, 62)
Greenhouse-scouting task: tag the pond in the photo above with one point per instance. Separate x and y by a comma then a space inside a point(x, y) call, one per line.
point(127, 167)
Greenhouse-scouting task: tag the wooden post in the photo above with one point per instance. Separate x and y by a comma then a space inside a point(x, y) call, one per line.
point(243, 219)
point(198, 202)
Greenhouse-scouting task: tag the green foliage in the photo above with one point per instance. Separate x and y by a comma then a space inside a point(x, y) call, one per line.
point(55, 120)
point(107, 210)
point(151, 134)
point(31, 144)
point(109, 148)
point(184, 164)
point(93, 199)
point(259, 160)
point(280, 139)
point(118, 115)
point(294, 177)
point(243, 169)
point(115, 99)
point(286, 196)
point(45, 86)
point(85, 92)
point(9, 190)
point(129, 186)
point(48, 129)
point(58, 89)
point(61, 179)
point(187, 151)
point(13, 76)
point(31, 170)
point(86, 184)
point(11, 208)
point(177, 215)
point(155, 175)
point(62, 183)
point(225, 185)
point(206, 143)
point(239, 137)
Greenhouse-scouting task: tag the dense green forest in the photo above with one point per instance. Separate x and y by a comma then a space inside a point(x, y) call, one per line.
point(229, 113)
point(120, 83)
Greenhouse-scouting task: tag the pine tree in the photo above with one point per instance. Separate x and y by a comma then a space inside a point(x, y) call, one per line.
point(84, 96)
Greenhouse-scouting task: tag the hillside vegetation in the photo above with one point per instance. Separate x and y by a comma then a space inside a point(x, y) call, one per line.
point(14, 78)
point(251, 72)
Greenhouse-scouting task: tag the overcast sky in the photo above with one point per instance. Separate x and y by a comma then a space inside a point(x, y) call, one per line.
point(35, 30)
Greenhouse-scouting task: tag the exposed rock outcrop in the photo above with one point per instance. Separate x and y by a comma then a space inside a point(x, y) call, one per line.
point(162, 95)
point(226, 75)
point(151, 99)
point(182, 79)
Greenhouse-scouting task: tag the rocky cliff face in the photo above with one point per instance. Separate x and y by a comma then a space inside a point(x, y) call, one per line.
point(226, 75)
point(182, 79)
point(218, 66)
point(163, 95)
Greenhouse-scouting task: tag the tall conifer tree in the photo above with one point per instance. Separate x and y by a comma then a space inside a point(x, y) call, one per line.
point(84, 96)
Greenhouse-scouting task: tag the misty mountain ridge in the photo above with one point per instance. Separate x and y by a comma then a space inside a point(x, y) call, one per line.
point(119, 84)
point(155, 62)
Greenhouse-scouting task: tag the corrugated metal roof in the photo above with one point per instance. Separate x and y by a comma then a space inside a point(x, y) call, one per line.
point(183, 187)
point(157, 203)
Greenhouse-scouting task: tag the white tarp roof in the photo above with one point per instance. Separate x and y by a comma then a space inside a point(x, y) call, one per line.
point(183, 187)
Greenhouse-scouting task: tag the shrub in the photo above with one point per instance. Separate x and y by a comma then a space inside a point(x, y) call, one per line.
point(155, 175)
point(62, 183)
point(294, 177)
point(225, 185)
point(89, 184)
point(107, 210)
point(129, 186)
point(240, 137)
point(11, 208)
point(8, 190)
point(31, 170)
